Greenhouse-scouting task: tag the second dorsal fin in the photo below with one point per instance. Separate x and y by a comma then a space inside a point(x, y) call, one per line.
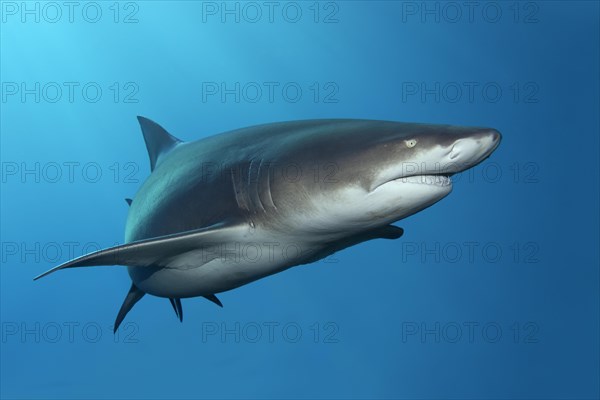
point(158, 141)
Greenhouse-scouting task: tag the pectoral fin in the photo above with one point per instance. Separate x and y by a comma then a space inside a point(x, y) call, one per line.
point(384, 232)
point(155, 252)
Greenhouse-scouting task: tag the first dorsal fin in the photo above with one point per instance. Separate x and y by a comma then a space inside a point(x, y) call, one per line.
point(158, 141)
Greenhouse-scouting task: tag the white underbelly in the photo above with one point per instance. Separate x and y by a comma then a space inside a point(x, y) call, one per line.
point(218, 269)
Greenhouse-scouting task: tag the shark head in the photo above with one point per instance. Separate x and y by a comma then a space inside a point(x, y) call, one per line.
point(365, 174)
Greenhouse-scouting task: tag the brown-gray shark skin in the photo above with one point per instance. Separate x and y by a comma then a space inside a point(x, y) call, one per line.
point(223, 211)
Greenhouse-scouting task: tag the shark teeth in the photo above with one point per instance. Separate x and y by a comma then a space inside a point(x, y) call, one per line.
point(437, 180)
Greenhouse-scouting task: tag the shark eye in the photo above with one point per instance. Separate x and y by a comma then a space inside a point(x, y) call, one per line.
point(411, 143)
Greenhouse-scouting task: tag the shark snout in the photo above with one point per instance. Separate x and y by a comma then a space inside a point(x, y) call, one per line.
point(442, 159)
point(469, 151)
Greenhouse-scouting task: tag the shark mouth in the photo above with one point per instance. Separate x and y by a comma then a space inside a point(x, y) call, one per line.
point(440, 180)
point(434, 180)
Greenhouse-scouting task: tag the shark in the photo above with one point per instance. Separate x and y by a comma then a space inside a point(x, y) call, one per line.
point(226, 210)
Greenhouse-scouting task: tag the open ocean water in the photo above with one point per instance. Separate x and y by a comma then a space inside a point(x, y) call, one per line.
point(493, 293)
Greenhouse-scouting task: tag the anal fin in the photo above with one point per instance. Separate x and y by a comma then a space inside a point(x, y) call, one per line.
point(214, 299)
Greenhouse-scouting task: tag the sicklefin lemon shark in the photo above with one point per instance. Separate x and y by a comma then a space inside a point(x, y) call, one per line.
point(226, 210)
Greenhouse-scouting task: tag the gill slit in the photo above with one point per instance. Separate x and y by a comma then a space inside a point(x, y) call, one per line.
point(257, 186)
point(239, 196)
point(269, 188)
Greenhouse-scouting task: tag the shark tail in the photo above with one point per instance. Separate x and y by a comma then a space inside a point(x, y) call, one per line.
point(154, 252)
point(133, 296)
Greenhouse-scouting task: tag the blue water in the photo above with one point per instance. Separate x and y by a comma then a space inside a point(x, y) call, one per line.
point(491, 293)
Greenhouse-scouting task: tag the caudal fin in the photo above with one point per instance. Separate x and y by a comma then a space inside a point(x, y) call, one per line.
point(155, 252)
point(132, 297)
